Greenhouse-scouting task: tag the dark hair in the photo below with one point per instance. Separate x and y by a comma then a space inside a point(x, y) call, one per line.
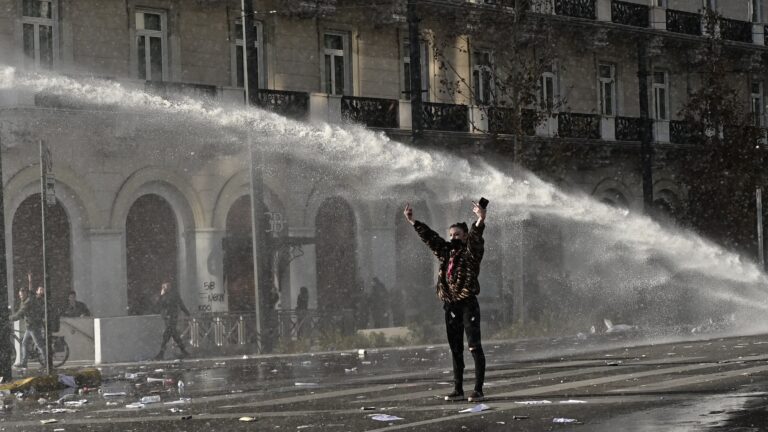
point(460, 225)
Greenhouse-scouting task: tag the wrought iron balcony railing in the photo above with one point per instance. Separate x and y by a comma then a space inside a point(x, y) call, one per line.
point(576, 8)
point(682, 133)
point(683, 22)
point(372, 112)
point(628, 128)
point(505, 121)
point(287, 103)
point(445, 117)
point(175, 90)
point(575, 125)
point(630, 13)
point(735, 30)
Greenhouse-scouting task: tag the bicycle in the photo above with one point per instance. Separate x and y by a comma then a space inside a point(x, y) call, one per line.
point(59, 348)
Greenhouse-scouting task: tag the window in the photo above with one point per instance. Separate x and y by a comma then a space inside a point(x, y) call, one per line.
point(482, 77)
point(335, 75)
point(407, 70)
point(757, 103)
point(238, 65)
point(547, 91)
point(39, 33)
point(660, 96)
point(607, 86)
point(151, 51)
point(756, 10)
point(709, 4)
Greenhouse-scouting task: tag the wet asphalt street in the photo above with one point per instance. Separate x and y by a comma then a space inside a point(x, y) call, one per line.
point(600, 383)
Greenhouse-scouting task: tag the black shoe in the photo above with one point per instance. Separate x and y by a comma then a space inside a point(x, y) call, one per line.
point(455, 396)
point(476, 396)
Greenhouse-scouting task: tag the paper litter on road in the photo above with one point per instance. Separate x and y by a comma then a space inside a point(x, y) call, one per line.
point(131, 376)
point(114, 394)
point(385, 417)
point(573, 401)
point(564, 420)
point(476, 409)
point(247, 419)
point(306, 384)
point(534, 402)
point(49, 421)
point(135, 405)
point(354, 369)
point(67, 380)
point(178, 402)
point(77, 403)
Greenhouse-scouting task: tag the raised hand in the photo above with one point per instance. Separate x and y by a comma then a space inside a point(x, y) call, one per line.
point(408, 212)
point(479, 212)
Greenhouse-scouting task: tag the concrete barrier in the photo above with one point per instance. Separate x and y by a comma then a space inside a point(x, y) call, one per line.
point(127, 339)
point(78, 333)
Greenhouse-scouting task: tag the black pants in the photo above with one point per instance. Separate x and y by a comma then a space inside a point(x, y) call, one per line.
point(464, 316)
point(171, 332)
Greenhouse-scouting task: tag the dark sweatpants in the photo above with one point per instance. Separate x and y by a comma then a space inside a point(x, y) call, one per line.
point(171, 332)
point(464, 316)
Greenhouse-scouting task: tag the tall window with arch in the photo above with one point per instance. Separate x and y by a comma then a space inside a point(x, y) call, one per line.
point(39, 26)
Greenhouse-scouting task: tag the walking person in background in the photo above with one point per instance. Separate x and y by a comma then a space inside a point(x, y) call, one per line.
point(457, 287)
point(31, 311)
point(169, 304)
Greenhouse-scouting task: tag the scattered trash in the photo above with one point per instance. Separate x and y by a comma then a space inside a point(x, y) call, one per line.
point(67, 380)
point(58, 430)
point(367, 408)
point(476, 409)
point(186, 417)
point(220, 363)
point(581, 336)
point(42, 401)
point(247, 419)
point(135, 405)
point(77, 403)
point(114, 394)
point(385, 417)
point(180, 385)
point(49, 421)
point(306, 363)
point(150, 399)
point(178, 402)
point(131, 376)
point(534, 402)
point(351, 370)
point(159, 370)
point(155, 380)
point(573, 401)
point(361, 353)
point(613, 363)
point(176, 410)
point(245, 357)
point(112, 403)
point(564, 420)
point(306, 384)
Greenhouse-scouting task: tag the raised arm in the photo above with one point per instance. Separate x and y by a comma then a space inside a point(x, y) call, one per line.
point(475, 241)
point(433, 240)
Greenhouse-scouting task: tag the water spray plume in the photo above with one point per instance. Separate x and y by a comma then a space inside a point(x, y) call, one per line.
point(620, 257)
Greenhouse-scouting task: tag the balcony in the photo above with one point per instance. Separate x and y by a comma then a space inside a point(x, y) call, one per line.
point(630, 14)
point(576, 8)
point(179, 91)
point(504, 121)
point(445, 117)
point(290, 104)
point(575, 125)
point(628, 129)
point(683, 22)
point(371, 112)
point(735, 30)
point(682, 133)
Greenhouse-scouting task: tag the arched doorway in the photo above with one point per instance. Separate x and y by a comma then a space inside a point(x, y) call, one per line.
point(338, 286)
point(27, 248)
point(614, 198)
point(415, 267)
point(151, 243)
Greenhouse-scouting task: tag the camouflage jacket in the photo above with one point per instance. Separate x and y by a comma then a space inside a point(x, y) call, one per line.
point(466, 262)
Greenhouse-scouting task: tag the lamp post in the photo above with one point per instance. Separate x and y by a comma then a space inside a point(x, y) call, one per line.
point(6, 361)
point(259, 245)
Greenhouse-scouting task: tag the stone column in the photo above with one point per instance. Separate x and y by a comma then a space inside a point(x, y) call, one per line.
point(109, 289)
point(208, 293)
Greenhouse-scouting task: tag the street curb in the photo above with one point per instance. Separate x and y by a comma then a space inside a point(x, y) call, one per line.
point(45, 383)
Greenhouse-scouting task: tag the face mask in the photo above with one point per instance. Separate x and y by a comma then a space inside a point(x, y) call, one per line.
point(456, 243)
